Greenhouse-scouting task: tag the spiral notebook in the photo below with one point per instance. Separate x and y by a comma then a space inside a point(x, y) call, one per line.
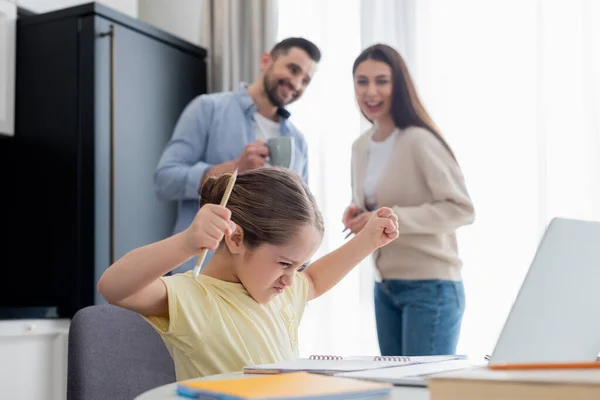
point(329, 364)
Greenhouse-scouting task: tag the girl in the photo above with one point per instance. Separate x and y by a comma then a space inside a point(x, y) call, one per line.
point(245, 306)
point(403, 163)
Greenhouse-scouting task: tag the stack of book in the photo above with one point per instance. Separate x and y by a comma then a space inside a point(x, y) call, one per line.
point(517, 384)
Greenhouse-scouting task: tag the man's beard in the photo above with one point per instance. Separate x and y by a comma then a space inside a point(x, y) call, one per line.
point(271, 91)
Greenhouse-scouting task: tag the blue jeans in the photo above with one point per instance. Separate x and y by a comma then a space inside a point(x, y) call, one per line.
point(418, 317)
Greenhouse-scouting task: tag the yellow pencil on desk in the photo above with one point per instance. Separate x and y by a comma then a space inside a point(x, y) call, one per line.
point(224, 201)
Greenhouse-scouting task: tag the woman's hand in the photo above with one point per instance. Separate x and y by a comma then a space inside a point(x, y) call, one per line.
point(380, 228)
point(354, 219)
point(210, 224)
point(351, 212)
point(358, 223)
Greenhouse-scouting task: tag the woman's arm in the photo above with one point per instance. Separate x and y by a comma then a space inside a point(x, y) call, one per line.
point(326, 272)
point(133, 281)
point(451, 207)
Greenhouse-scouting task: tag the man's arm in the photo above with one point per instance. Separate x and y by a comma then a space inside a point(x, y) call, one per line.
point(305, 169)
point(181, 168)
point(304, 172)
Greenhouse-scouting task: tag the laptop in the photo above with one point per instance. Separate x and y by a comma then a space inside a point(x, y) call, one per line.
point(555, 317)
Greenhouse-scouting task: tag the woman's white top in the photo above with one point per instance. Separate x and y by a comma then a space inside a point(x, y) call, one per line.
point(379, 155)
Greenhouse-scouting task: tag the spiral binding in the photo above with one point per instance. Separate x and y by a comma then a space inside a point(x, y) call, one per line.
point(377, 358)
point(325, 357)
point(391, 358)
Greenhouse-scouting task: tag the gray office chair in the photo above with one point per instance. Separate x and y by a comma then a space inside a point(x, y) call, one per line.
point(114, 354)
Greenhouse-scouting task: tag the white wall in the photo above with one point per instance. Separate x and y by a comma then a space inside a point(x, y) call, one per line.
point(33, 359)
point(129, 7)
point(182, 18)
point(187, 19)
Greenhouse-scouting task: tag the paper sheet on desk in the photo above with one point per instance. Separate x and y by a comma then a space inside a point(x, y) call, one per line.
point(323, 366)
point(347, 364)
point(396, 374)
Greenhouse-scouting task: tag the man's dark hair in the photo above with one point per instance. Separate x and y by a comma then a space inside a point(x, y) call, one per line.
point(286, 44)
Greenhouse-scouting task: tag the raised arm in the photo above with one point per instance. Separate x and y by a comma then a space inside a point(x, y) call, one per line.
point(327, 271)
point(133, 281)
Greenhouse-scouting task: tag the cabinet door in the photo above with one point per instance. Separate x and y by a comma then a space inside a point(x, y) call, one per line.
point(153, 82)
point(39, 171)
point(8, 18)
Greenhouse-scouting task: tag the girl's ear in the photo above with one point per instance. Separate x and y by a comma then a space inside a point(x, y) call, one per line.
point(235, 241)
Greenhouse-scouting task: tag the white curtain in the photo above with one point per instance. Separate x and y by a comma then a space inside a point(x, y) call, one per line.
point(515, 87)
point(241, 31)
point(341, 321)
point(235, 33)
point(392, 22)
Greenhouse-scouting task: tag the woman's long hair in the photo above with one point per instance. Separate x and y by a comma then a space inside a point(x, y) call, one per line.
point(406, 109)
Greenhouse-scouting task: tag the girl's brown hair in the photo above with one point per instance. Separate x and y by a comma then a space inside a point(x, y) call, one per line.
point(406, 109)
point(269, 204)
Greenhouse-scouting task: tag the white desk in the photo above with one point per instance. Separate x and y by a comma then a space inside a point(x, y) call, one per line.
point(167, 392)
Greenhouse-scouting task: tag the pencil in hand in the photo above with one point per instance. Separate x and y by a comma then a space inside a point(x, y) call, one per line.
point(224, 201)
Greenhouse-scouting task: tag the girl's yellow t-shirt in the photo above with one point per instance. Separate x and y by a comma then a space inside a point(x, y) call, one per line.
point(216, 326)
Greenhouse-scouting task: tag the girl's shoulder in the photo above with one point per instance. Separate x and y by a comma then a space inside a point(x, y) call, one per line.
point(298, 293)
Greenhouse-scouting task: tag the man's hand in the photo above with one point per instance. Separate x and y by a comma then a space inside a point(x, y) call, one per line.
point(253, 156)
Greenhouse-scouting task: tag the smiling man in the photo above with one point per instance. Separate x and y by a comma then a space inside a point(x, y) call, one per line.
point(219, 132)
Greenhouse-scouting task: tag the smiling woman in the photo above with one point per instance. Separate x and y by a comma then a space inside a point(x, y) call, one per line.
point(402, 162)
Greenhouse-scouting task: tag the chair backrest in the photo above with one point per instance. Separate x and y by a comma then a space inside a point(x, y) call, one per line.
point(114, 354)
